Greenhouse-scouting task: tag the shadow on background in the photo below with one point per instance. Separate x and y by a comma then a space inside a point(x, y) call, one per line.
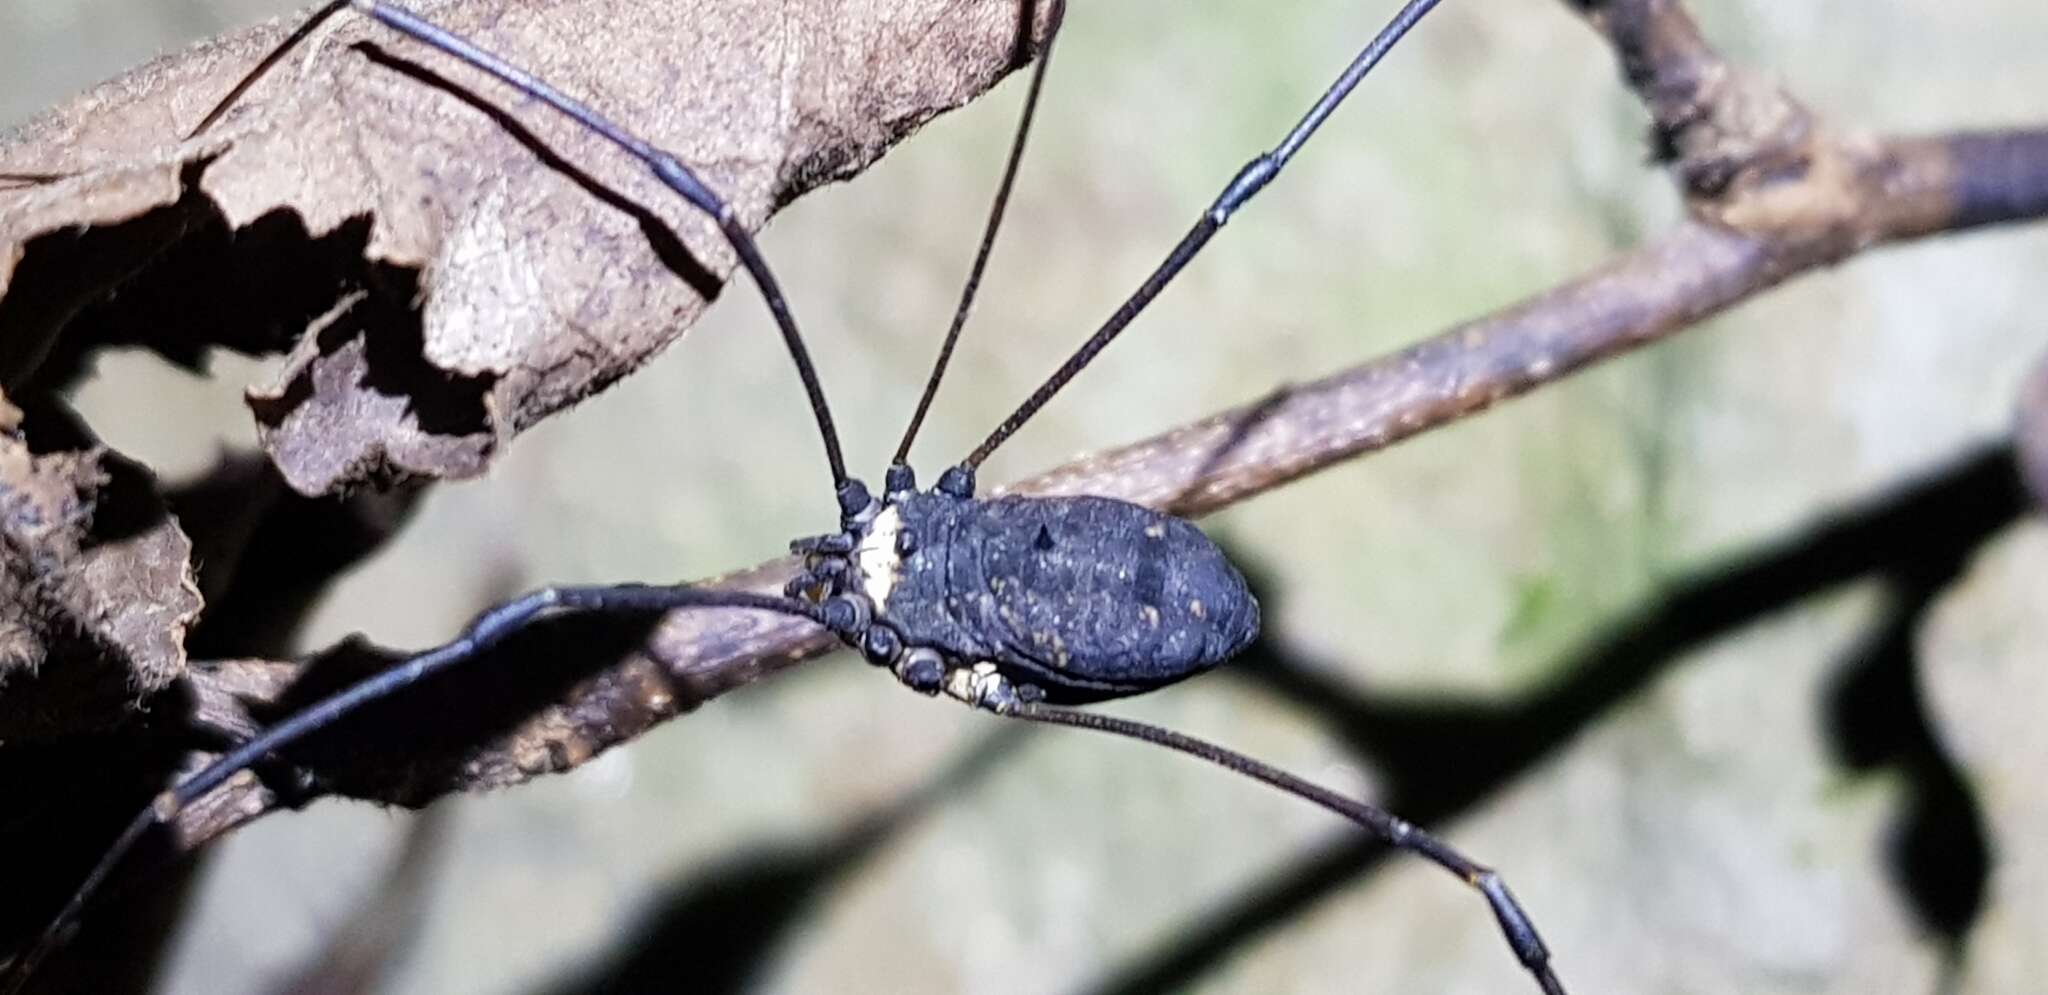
point(263, 557)
point(363, 950)
point(713, 931)
point(1938, 853)
point(1439, 759)
point(716, 930)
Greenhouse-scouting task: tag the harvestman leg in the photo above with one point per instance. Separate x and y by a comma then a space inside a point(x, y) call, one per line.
point(493, 626)
point(486, 631)
point(899, 465)
point(1515, 923)
point(671, 171)
point(1249, 180)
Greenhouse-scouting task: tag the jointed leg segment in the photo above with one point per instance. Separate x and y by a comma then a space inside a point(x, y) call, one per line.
point(486, 631)
point(1515, 924)
point(917, 667)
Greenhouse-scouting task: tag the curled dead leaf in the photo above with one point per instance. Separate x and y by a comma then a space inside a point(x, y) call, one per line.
point(96, 590)
point(441, 265)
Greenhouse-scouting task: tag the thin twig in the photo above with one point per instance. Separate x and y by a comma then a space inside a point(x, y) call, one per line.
point(1774, 192)
point(1669, 285)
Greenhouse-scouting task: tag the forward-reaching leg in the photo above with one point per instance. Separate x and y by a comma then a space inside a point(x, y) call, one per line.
point(672, 172)
point(1514, 923)
point(995, 219)
point(487, 630)
point(1245, 185)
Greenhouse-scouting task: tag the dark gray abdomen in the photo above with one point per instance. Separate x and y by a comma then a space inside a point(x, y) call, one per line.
point(1085, 597)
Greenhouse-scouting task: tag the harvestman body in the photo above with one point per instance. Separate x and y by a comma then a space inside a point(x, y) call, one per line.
point(1015, 600)
point(1014, 605)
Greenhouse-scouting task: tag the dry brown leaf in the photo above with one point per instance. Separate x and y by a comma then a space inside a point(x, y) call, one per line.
point(96, 590)
point(441, 264)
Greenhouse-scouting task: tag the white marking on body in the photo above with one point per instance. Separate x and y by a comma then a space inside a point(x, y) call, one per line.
point(876, 559)
point(980, 686)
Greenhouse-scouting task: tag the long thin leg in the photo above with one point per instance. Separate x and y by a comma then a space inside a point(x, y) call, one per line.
point(1515, 924)
point(667, 168)
point(249, 79)
point(1246, 184)
point(486, 631)
point(995, 221)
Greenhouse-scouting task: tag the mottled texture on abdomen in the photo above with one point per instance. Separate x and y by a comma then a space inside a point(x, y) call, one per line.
point(1086, 597)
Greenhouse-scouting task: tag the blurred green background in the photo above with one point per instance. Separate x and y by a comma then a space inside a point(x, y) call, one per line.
point(1720, 829)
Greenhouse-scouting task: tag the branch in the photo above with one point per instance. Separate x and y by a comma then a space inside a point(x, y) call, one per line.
point(1659, 289)
point(1773, 191)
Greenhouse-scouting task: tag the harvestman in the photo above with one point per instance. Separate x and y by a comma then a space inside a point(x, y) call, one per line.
point(1017, 606)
